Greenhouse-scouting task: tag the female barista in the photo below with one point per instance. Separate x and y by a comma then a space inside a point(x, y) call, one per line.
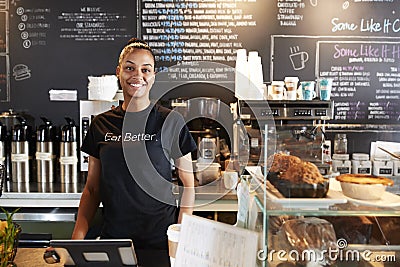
point(130, 148)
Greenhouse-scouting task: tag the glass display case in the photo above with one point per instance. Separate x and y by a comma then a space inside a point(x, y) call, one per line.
point(331, 231)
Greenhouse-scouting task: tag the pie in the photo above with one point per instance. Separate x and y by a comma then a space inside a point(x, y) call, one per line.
point(364, 179)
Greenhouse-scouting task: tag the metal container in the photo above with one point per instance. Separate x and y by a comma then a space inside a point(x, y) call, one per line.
point(45, 154)
point(20, 152)
point(209, 107)
point(3, 149)
point(69, 153)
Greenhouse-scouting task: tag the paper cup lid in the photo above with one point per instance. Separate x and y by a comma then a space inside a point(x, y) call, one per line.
point(278, 83)
point(173, 232)
point(291, 79)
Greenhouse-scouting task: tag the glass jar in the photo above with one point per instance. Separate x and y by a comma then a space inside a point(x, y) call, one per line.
point(361, 164)
point(396, 167)
point(340, 144)
point(341, 163)
point(382, 166)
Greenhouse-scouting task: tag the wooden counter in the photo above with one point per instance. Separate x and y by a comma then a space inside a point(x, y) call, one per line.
point(32, 257)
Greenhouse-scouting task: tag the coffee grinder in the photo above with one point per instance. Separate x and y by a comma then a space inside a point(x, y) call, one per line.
point(205, 128)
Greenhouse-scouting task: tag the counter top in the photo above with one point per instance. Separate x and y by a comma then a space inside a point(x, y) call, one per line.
point(57, 195)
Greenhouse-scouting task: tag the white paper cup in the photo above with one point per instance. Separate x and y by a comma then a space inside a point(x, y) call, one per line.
point(277, 90)
point(291, 83)
point(173, 239)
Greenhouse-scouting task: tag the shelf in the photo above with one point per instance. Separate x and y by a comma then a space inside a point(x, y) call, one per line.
point(347, 209)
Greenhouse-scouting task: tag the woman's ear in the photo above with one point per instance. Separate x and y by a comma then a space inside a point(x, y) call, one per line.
point(117, 69)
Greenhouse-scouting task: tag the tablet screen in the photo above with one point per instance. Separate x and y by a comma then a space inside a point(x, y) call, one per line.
point(99, 253)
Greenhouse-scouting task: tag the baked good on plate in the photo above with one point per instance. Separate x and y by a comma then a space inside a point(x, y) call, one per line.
point(364, 186)
point(295, 178)
point(364, 179)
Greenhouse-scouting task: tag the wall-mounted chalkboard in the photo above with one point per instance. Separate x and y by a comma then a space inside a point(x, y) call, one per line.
point(365, 70)
point(294, 38)
point(60, 43)
point(57, 45)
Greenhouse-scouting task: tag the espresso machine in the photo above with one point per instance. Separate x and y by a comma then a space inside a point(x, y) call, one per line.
point(202, 115)
point(298, 128)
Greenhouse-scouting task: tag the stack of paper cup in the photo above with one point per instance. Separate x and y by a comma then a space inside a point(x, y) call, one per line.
point(248, 76)
point(241, 74)
point(102, 87)
point(173, 239)
point(255, 76)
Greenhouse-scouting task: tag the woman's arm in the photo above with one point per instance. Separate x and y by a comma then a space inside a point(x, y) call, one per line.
point(185, 173)
point(90, 199)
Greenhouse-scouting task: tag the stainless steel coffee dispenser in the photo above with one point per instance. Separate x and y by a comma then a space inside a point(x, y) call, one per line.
point(3, 142)
point(69, 153)
point(45, 154)
point(21, 135)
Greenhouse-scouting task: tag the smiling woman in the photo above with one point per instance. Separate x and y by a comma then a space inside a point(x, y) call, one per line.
point(131, 148)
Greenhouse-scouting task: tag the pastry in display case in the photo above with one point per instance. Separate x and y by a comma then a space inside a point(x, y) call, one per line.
point(295, 178)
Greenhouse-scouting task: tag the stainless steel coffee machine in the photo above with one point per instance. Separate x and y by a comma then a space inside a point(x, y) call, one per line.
point(202, 115)
point(297, 128)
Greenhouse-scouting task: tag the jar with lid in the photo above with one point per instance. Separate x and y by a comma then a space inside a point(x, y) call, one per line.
point(396, 167)
point(382, 165)
point(360, 164)
point(340, 144)
point(396, 164)
point(341, 163)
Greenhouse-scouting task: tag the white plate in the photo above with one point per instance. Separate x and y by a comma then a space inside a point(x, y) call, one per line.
point(307, 203)
point(387, 200)
point(297, 203)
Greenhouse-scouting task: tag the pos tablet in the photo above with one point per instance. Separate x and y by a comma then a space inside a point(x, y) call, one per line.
point(99, 253)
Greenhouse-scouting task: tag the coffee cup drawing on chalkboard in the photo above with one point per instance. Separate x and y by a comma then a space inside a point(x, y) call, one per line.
point(298, 58)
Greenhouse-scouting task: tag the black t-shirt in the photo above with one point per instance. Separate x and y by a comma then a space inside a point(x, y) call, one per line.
point(135, 150)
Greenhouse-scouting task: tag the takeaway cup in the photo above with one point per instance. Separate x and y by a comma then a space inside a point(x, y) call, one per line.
point(173, 239)
point(291, 84)
point(277, 90)
point(308, 90)
point(325, 88)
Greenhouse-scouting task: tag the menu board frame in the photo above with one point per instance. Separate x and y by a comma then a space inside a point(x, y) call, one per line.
point(357, 112)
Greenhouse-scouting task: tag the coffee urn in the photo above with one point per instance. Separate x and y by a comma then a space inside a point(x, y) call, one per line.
point(45, 153)
point(21, 135)
point(68, 152)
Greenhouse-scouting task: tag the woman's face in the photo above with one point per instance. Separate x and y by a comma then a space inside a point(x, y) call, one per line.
point(136, 74)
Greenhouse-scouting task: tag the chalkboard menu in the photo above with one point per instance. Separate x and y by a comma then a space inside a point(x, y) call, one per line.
point(57, 44)
point(304, 38)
